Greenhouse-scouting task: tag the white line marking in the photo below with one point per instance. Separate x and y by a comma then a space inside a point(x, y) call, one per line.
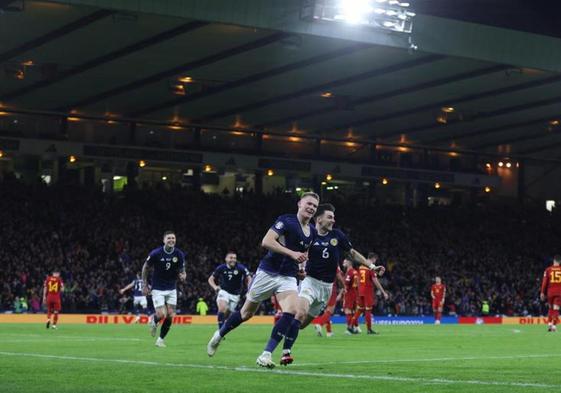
point(55, 335)
point(550, 355)
point(291, 373)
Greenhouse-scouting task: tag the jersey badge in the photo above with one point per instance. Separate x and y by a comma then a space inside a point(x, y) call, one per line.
point(334, 242)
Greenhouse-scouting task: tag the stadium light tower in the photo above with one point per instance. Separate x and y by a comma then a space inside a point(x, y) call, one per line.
point(393, 15)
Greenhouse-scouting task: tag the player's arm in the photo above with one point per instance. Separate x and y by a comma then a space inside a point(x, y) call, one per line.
point(45, 292)
point(182, 272)
point(359, 258)
point(271, 242)
point(248, 280)
point(380, 287)
point(121, 291)
point(545, 284)
point(145, 269)
point(213, 284)
point(341, 280)
point(432, 293)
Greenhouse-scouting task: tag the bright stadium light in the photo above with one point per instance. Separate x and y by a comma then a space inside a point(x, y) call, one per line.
point(391, 15)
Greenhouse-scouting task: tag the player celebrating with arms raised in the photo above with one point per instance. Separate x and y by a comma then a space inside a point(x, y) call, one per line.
point(287, 242)
point(168, 263)
point(52, 287)
point(551, 290)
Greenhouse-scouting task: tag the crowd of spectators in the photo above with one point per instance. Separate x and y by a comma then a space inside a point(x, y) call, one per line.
point(493, 253)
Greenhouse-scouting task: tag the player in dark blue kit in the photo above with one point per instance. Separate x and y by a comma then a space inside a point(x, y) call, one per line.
point(287, 242)
point(327, 251)
point(139, 300)
point(168, 263)
point(227, 281)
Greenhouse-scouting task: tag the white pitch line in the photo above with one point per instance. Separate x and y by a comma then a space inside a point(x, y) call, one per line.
point(54, 335)
point(550, 355)
point(387, 378)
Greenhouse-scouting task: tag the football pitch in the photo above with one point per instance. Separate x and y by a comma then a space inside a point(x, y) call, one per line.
point(446, 358)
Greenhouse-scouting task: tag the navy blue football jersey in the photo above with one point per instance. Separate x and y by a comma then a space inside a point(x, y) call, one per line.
point(292, 236)
point(326, 253)
point(138, 285)
point(166, 267)
point(231, 279)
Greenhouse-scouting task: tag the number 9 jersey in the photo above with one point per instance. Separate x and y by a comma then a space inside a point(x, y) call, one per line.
point(167, 266)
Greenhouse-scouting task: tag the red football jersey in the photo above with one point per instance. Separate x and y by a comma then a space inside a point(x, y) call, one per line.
point(351, 280)
point(365, 284)
point(437, 291)
point(53, 286)
point(551, 283)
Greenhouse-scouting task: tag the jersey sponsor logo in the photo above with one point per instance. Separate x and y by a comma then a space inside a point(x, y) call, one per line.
point(162, 259)
point(279, 225)
point(316, 244)
point(334, 242)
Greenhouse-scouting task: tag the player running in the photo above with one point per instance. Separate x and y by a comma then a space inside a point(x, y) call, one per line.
point(168, 263)
point(227, 281)
point(287, 242)
point(324, 257)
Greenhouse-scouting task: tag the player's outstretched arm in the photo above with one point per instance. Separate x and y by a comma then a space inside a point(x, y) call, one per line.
point(380, 287)
point(271, 242)
point(121, 291)
point(359, 258)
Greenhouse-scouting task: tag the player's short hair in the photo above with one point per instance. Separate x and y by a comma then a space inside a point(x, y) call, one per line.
point(557, 258)
point(231, 252)
point(169, 233)
point(324, 207)
point(310, 194)
point(372, 255)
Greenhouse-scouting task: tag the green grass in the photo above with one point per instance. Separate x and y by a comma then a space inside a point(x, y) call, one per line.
point(81, 358)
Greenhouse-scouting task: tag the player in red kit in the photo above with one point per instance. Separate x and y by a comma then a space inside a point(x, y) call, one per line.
point(438, 294)
point(52, 288)
point(367, 279)
point(551, 290)
point(351, 294)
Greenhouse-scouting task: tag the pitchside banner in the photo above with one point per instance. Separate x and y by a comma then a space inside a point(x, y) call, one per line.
point(114, 319)
point(400, 320)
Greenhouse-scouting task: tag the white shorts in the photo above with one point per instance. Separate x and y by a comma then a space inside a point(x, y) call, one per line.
point(317, 293)
point(231, 300)
point(140, 300)
point(264, 285)
point(161, 298)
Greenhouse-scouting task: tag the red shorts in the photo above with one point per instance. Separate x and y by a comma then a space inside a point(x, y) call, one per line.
point(53, 304)
point(367, 300)
point(437, 303)
point(554, 300)
point(350, 300)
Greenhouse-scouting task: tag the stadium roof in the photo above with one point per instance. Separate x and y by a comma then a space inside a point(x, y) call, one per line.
point(249, 64)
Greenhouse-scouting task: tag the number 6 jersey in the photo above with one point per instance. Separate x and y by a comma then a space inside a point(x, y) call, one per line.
point(325, 254)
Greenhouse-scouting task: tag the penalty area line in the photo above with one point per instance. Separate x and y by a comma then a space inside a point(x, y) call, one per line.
point(302, 373)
